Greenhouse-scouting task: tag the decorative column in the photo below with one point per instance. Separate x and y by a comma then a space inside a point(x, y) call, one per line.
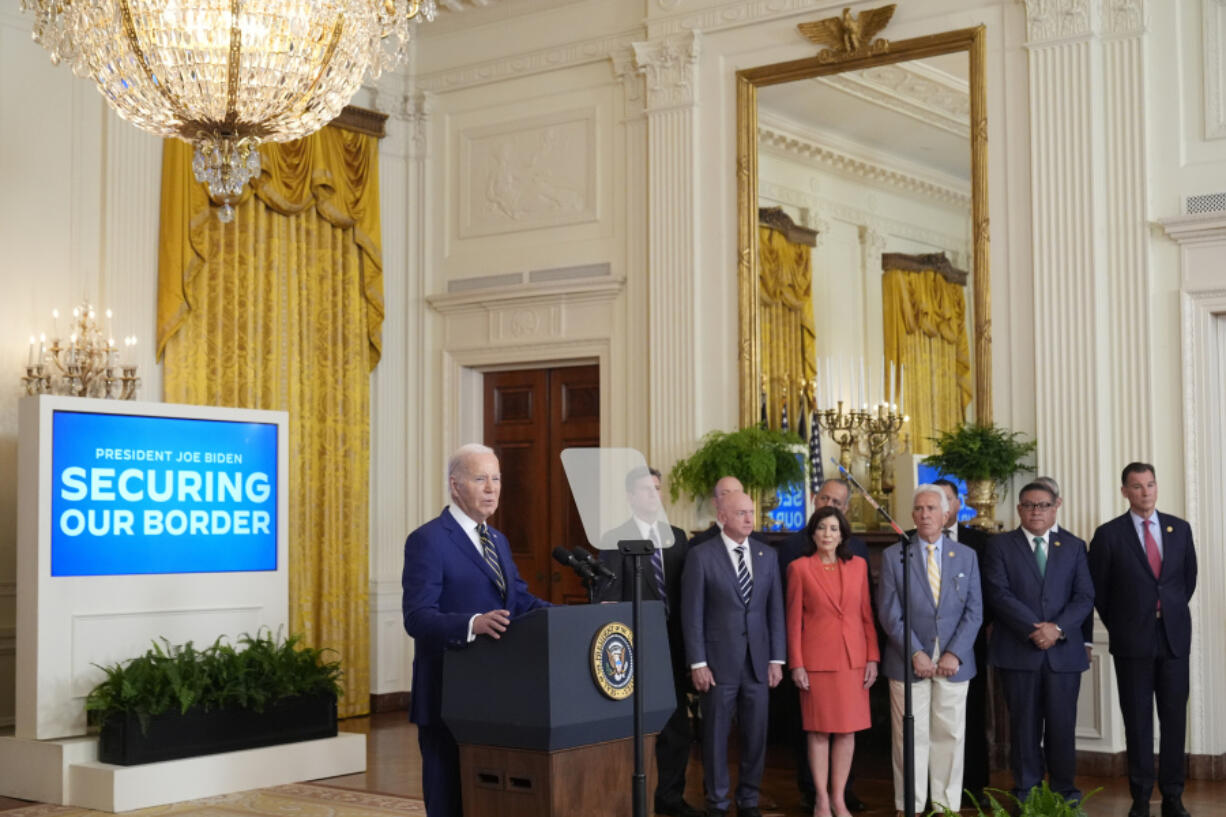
point(667, 65)
point(1092, 378)
point(872, 245)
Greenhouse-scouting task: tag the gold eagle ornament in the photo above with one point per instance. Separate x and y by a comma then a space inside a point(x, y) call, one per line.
point(849, 36)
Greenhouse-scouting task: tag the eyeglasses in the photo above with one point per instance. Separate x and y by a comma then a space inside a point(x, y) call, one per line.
point(1036, 506)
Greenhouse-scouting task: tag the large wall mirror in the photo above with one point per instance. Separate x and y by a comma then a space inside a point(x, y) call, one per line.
point(880, 149)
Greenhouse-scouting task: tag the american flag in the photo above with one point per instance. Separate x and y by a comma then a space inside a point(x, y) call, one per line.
point(816, 475)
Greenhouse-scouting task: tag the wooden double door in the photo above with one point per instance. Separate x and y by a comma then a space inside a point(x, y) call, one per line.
point(531, 415)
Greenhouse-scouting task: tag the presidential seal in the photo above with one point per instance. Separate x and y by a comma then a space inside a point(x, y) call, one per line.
point(613, 660)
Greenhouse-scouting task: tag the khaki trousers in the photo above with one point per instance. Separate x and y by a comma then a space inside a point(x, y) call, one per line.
point(939, 706)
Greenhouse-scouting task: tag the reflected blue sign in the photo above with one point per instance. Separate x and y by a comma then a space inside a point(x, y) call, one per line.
point(790, 513)
point(926, 474)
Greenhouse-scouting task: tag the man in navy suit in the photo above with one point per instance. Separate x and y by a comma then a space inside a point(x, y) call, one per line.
point(1038, 585)
point(459, 583)
point(736, 645)
point(661, 581)
point(834, 493)
point(946, 611)
point(1144, 569)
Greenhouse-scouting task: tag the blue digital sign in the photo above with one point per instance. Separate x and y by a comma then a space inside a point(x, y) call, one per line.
point(137, 494)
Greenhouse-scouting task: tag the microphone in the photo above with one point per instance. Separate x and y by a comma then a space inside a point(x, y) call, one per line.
point(585, 556)
point(563, 556)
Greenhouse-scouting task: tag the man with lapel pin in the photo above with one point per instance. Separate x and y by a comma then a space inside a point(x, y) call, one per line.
point(459, 583)
point(1087, 629)
point(1143, 565)
point(661, 581)
point(736, 646)
point(1038, 586)
point(946, 611)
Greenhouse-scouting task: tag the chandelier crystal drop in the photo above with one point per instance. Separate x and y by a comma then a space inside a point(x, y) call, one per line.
point(227, 75)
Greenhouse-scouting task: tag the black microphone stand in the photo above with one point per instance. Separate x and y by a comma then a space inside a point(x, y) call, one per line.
point(637, 549)
point(908, 713)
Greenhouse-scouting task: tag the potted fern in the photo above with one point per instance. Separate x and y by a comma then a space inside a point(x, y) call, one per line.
point(1041, 801)
point(986, 456)
point(762, 459)
point(178, 701)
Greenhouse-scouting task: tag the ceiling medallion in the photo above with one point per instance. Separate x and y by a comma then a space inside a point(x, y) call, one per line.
point(226, 75)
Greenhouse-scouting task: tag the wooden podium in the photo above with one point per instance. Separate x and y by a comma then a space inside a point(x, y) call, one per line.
point(538, 737)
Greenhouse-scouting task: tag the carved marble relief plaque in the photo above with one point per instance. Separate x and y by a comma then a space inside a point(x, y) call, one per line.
point(528, 174)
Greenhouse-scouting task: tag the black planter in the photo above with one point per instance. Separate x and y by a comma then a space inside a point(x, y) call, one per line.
point(172, 735)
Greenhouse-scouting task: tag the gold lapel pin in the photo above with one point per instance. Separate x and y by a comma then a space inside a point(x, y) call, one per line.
point(950, 554)
point(1170, 529)
point(1056, 543)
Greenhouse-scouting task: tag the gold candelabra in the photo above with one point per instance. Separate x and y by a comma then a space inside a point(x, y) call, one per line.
point(880, 430)
point(88, 365)
point(843, 427)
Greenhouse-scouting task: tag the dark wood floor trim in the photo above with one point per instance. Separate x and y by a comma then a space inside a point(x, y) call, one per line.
point(389, 702)
point(1107, 764)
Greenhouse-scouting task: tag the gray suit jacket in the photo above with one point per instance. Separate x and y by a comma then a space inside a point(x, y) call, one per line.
point(719, 628)
point(955, 622)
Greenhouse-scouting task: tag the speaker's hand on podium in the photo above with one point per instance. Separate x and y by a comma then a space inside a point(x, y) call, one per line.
point(702, 678)
point(493, 623)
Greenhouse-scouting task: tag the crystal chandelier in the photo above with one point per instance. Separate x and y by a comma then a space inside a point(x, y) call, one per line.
point(226, 75)
point(87, 365)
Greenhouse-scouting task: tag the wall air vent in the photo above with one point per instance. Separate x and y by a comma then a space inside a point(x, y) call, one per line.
point(1204, 203)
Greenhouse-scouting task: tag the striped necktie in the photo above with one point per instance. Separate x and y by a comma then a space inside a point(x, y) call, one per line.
point(743, 579)
point(657, 568)
point(934, 573)
point(491, 557)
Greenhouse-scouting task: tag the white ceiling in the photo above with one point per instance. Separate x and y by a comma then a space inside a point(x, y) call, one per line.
point(917, 112)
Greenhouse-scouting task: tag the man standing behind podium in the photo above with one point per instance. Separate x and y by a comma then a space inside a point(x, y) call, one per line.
point(662, 581)
point(736, 645)
point(459, 583)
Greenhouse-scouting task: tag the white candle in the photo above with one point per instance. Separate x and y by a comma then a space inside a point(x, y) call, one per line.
point(55, 318)
point(902, 382)
point(108, 325)
point(42, 347)
point(863, 382)
point(30, 362)
point(817, 379)
point(890, 394)
point(829, 382)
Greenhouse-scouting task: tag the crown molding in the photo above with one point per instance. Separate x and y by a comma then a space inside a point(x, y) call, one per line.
point(569, 55)
point(498, 297)
point(925, 95)
point(774, 135)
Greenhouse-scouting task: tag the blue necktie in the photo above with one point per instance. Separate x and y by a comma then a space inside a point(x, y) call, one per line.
point(491, 557)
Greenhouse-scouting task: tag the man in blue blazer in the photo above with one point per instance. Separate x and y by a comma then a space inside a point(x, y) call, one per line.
point(1038, 585)
point(736, 646)
point(460, 583)
point(946, 611)
point(1144, 569)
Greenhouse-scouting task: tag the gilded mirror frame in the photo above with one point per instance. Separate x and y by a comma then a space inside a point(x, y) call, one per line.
point(748, 81)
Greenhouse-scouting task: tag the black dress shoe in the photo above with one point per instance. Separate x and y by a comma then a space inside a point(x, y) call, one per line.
point(716, 812)
point(852, 802)
point(1173, 807)
point(748, 811)
point(679, 809)
point(1140, 808)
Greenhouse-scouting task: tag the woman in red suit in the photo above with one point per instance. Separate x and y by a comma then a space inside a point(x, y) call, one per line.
point(832, 652)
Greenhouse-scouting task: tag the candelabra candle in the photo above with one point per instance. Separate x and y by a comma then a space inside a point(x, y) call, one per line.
point(879, 434)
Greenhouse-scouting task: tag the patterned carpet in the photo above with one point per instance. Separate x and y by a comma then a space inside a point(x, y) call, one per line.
point(291, 800)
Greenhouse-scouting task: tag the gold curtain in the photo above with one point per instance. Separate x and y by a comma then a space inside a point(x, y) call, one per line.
point(925, 331)
point(282, 309)
point(789, 342)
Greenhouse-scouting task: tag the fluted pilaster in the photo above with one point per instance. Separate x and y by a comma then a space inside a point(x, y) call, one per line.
point(667, 66)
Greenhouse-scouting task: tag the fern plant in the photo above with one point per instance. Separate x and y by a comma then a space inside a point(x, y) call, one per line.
point(1041, 801)
point(264, 669)
point(976, 452)
point(760, 458)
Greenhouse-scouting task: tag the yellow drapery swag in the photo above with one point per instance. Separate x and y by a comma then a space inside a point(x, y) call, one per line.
point(282, 309)
point(924, 318)
point(789, 341)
